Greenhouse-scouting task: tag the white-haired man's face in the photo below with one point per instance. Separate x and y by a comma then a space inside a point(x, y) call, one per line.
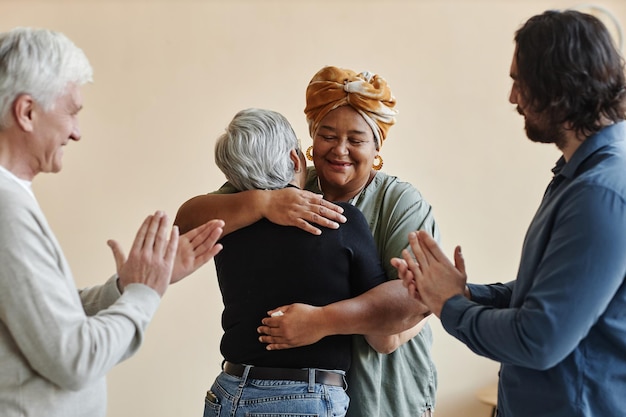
point(54, 129)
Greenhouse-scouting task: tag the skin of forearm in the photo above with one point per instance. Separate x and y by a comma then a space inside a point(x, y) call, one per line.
point(238, 210)
point(388, 344)
point(383, 310)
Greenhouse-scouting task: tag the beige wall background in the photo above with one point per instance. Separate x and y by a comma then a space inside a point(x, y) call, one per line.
point(169, 75)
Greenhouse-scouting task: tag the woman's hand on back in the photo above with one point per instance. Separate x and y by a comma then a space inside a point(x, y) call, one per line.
point(303, 209)
point(293, 326)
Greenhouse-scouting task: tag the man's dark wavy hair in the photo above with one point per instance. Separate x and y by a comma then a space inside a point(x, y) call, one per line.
point(569, 69)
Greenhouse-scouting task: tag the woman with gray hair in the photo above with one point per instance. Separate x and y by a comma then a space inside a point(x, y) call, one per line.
point(260, 151)
point(255, 151)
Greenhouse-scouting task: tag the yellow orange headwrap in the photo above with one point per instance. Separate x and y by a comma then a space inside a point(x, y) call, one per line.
point(367, 93)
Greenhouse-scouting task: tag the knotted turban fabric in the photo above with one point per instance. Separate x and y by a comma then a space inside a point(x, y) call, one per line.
point(367, 93)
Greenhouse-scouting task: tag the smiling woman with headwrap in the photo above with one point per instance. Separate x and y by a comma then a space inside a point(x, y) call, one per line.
point(367, 93)
point(349, 116)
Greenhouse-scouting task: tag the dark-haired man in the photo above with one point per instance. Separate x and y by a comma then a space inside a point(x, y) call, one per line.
point(559, 329)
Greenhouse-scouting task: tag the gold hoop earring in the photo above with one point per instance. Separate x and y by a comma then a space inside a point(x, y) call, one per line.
point(309, 153)
point(379, 165)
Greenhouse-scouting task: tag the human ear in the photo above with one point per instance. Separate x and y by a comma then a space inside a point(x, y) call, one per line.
point(297, 157)
point(23, 108)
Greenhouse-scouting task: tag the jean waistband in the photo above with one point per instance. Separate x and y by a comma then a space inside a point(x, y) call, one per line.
point(286, 374)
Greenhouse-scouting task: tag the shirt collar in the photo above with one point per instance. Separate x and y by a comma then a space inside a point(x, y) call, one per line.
point(27, 185)
point(606, 136)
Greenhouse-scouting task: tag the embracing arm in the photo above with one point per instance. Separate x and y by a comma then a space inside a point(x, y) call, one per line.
point(287, 207)
point(382, 311)
point(237, 209)
point(385, 309)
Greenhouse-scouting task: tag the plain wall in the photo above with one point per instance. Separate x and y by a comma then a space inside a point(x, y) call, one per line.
point(169, 76)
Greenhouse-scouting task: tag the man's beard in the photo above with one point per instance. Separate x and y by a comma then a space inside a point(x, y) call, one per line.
point(542, 130)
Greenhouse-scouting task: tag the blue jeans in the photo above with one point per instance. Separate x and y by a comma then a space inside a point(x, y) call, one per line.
point(232, 396)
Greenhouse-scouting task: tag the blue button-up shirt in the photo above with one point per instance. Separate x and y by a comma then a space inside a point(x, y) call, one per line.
point(559, 329)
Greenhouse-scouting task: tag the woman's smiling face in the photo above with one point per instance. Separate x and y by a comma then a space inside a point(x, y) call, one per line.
point(344, 149)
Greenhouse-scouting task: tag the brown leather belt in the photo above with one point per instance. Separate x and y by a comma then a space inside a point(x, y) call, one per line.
point(286, 374)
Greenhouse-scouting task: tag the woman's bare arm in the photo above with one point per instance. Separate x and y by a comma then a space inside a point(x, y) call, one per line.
point(237, 210)
point(287, 207)
point(385, 310)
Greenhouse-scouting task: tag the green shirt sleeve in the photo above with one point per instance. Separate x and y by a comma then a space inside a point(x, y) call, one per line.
point(394, 209)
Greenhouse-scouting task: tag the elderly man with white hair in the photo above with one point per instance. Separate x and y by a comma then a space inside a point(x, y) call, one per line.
point(58, 343)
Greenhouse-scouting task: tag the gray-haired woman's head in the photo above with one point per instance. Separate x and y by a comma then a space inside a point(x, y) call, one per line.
point(254, 153)
point(41, 63)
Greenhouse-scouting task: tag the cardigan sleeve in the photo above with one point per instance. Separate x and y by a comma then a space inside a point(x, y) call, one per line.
point(44, 321)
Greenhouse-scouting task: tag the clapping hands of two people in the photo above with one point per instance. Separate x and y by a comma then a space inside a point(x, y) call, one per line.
point(156, 261)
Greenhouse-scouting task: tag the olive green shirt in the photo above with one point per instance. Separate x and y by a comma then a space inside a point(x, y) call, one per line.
point(404, 382)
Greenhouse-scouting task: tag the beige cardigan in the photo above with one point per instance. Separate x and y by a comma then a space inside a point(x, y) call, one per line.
point(57, 343)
